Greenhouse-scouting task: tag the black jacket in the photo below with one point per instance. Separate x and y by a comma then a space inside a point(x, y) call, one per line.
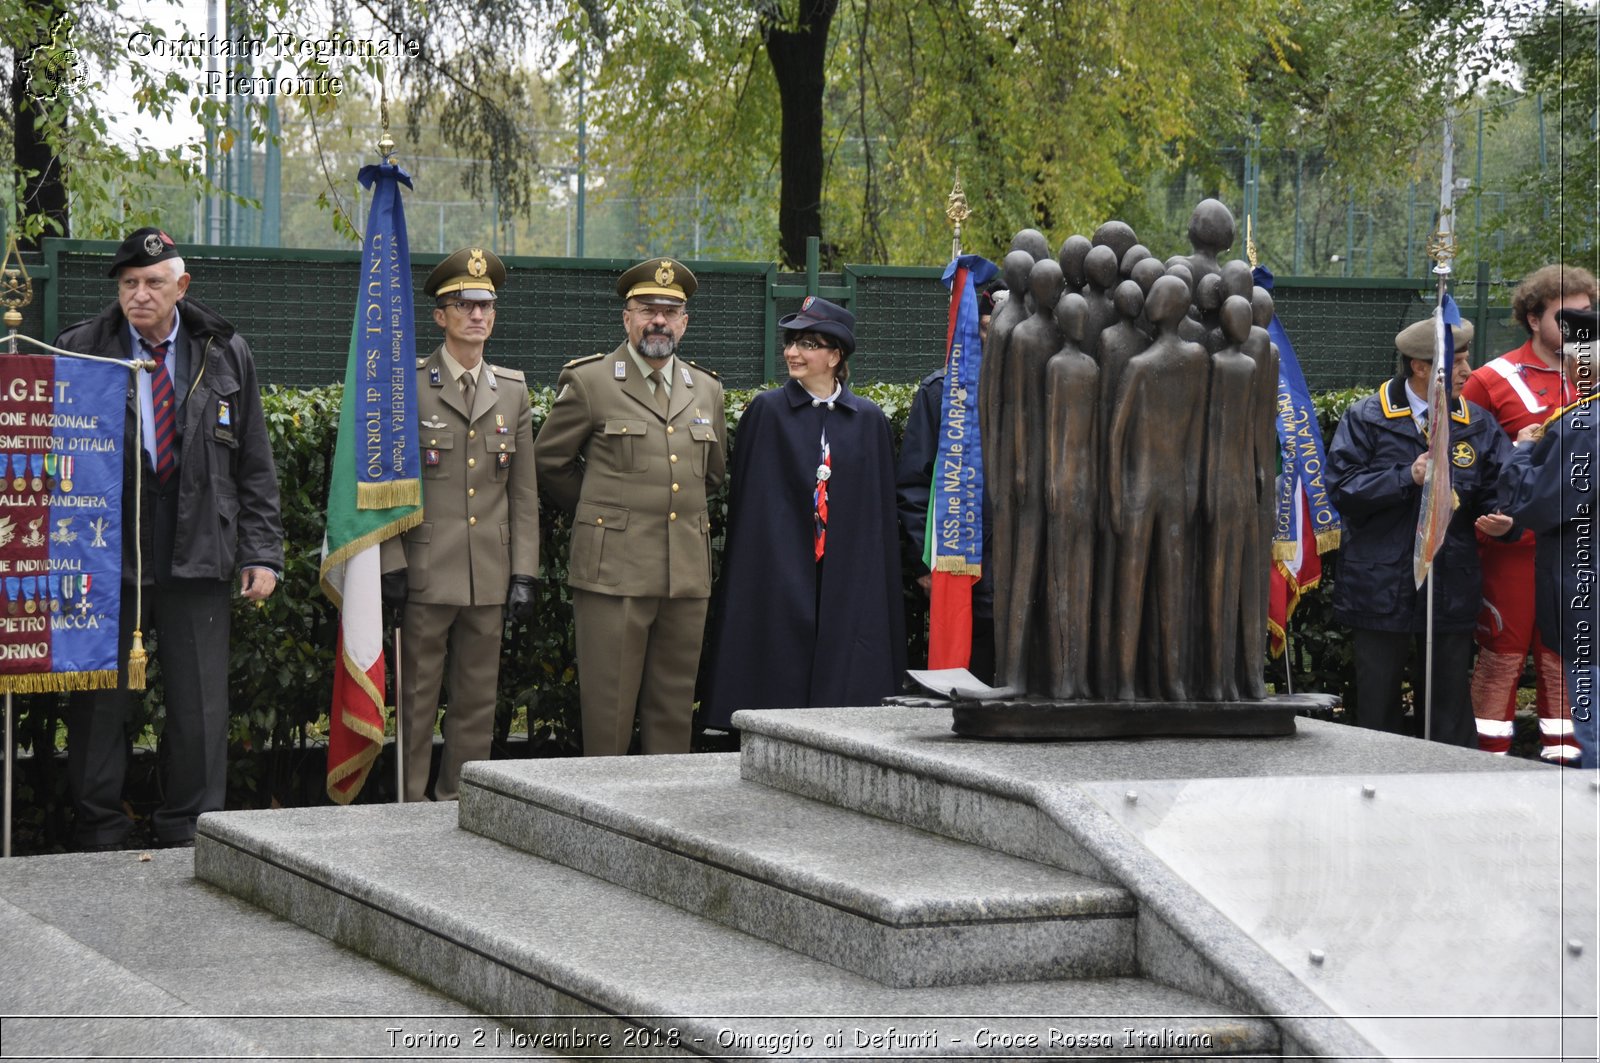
point(227, 514)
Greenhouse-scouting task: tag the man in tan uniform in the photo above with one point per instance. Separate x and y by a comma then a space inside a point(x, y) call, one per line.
point(474, 556)
point(633, 445)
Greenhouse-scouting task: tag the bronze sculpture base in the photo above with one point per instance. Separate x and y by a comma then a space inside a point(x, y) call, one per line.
point(1042, 718)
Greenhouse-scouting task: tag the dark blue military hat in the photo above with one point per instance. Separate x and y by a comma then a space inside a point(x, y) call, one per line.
point(830, 319)
point(144, 247)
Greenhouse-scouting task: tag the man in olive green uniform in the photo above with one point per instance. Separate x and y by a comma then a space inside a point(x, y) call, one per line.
point(474, 556)
point(633, 445)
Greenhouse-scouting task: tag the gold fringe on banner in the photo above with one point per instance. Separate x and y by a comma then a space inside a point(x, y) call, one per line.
point(136, 662)
point(1282, 551)
point(58, 682)
point(1327, 540)
point(389, 494)
point(957, 566)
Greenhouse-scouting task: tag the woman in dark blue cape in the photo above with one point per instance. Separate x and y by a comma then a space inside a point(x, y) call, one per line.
point(809, 601)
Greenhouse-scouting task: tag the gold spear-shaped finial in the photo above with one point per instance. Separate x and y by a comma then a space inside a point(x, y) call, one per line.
point(1250, 241)
point(385, 141)
point(16, 287)
point(957, 211)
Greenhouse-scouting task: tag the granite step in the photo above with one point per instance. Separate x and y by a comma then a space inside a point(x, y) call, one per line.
point(587, 967)
point(897, 904)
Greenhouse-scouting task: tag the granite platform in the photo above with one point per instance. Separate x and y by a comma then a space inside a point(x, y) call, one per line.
point(856, 883)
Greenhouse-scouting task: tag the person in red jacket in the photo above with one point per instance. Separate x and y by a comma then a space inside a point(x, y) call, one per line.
point(1523, 387)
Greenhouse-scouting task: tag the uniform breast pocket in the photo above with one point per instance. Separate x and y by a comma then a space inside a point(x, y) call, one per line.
point(625, 445)
point(597, 543)
point(502, 453)
point(705, 437)
point(436, 451)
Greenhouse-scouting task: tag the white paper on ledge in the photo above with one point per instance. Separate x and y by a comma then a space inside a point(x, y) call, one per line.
point(956, 683)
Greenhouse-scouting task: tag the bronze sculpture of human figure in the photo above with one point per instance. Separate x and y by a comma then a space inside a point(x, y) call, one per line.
point(1074, 249)
point(993, 374)
point(1072, 500)
point(1032, 345)
point(1153, 470)
point(1100, 271)
point(1229, 509)
point(1118, 345)
point(1258, 558)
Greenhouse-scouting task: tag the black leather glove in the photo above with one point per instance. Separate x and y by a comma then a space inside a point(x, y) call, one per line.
point(394, 588)
point(520, 598)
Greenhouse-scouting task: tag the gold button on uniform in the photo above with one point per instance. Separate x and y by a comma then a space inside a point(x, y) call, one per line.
point(599, 520)
point(674, 459)
point(472, 492)
point(669, 429)
point(472, 463)
point(672, 516)
point(674, 487)
point(502, 446)
point(472, 520)
point(433, 442)
point(472, 433)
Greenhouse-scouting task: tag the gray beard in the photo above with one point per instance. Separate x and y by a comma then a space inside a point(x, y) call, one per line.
point(657, 346)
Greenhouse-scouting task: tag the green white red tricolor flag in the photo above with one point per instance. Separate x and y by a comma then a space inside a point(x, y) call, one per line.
point(375, 488)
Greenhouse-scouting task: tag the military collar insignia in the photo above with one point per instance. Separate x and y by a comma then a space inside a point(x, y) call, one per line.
point(688, 381)
point(433, 376)
point(620, 370)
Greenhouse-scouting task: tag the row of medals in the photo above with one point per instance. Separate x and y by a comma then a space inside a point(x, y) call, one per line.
point(58, 587)
point(44, 470)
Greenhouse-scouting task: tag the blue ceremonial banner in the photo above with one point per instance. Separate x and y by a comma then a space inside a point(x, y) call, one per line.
point(388, 469)
point(1304, 463)
point(61, 440)
point(955, 537)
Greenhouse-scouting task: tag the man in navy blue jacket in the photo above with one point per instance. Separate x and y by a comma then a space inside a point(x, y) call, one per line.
point(1550, 484)
point(1375, 473)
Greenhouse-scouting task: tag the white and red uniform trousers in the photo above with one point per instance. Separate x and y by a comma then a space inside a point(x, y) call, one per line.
point(1520, 390)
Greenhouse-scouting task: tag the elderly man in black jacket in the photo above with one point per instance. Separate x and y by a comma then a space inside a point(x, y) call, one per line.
point(208, 509)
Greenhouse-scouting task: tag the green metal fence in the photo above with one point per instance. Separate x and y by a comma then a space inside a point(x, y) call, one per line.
point(296, 307)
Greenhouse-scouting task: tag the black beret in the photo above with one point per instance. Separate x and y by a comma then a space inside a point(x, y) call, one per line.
point(144, 247)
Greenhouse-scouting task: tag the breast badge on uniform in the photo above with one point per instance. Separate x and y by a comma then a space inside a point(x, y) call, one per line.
point(224, 414)
point(502, 460)
point(430, 457)
point(1462, 455)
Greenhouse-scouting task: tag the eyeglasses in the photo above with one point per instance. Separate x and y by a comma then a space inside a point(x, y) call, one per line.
point(810, 344)
point(465, 307)
point(650, 312)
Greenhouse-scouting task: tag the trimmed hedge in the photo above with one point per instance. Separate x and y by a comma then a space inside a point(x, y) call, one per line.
point(282, 650)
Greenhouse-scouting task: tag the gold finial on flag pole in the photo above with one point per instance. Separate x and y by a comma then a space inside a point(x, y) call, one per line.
point(957, 211)
point(1250, 241)
point(385, 141)
point(16, 287)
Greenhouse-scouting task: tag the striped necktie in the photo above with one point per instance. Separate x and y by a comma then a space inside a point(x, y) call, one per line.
point(164, 409)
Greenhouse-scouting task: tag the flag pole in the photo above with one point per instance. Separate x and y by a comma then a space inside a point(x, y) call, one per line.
point(386, 155)
point(1443, 254)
